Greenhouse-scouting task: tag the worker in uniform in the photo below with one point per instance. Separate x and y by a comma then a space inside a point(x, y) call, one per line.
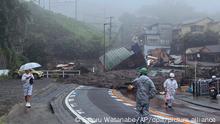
point(145, 91)
point(170, 86)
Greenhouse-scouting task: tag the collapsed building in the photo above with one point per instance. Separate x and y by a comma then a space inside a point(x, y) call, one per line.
point(122, 58)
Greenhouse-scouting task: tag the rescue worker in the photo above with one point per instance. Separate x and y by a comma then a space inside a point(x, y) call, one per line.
point(145, 91)
point(170, 86)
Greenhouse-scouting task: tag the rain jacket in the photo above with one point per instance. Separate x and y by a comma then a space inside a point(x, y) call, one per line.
point(170, 88)
point(145, 89)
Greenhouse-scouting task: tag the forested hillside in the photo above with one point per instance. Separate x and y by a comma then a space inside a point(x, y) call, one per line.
point(43, 36)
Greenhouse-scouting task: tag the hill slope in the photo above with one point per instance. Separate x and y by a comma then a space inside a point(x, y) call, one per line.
point(52, 36)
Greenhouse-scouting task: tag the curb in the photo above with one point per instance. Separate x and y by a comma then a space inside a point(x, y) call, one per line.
point(67, 104)
point(202, 105)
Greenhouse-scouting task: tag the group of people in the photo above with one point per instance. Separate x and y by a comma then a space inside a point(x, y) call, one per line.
point(146, 90)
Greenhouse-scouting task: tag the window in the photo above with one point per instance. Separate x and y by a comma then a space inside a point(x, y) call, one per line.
point(197, 28)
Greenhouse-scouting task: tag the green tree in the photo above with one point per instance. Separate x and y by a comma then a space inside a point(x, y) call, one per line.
point(13, 18)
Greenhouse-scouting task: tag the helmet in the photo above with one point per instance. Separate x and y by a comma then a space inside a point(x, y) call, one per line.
point(213, 77)
point(172, 75)
point(143, 71)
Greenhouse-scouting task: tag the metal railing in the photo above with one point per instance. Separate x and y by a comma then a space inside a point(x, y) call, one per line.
point(60, 73)
point(201, 87)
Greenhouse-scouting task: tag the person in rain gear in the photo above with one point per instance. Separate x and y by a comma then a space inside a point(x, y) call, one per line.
point(145, 91)
point(27, 79)
point(170, 86)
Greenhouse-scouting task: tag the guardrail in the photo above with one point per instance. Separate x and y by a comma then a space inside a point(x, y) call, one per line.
point(60, 73)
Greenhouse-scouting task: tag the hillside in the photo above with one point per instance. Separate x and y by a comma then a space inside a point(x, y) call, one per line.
point(54, 36)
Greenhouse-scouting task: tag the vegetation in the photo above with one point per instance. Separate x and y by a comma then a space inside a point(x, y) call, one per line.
point(13, 18)
point(2, 120)
point(43, 36)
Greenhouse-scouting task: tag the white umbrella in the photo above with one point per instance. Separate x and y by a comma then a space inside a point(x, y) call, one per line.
point(30, 65)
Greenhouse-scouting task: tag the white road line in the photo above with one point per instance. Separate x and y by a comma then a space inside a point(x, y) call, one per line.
point(92, 120)
point(80, 111)
point(119, 100)
point(73, 105)
point(114, 96)
point(128, 104)
point(70, 100)
point(73, 111)
point(73, 95)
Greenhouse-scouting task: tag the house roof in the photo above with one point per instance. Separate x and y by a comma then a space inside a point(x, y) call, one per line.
point(189, 22)
point(115, 57)
point(213, 48)
point(204, 49)
point(194, 50)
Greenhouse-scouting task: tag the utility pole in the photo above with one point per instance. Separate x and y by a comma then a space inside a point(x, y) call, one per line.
point(49, 5)
point(104, 48)
point(110, 28)
point(76, 9)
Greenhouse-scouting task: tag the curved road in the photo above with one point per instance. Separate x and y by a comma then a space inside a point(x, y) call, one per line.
point(99, 105)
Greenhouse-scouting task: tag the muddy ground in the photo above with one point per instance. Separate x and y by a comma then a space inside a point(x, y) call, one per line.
point(11, 93)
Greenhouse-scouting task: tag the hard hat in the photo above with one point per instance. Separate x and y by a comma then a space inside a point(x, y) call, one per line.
point(143, 71)
point(172, 75)
point(213, 76)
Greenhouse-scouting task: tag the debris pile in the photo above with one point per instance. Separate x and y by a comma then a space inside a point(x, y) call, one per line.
point(112, 79)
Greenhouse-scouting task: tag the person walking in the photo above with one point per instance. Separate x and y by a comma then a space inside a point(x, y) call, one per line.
point(170, 86)
point(145, 91)
point(27, 79)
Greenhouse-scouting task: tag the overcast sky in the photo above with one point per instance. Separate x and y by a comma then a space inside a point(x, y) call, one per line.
point(98, 9)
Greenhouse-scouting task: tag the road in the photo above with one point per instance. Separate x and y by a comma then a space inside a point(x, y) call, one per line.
point(97, 105)
point(57, 103)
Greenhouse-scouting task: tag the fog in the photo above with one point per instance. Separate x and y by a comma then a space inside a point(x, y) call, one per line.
point(96, 11)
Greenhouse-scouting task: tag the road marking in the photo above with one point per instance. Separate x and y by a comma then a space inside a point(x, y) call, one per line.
point(157, 113)
point(80, 111)
point(73, 95)
point(73, 111)
point(119, 100)
point(70, 100)
point(128, 104)
point(114, 96)
point(91, 120)
point(73, 105)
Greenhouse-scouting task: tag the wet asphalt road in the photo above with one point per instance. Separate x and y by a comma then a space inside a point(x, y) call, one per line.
point(97, 104)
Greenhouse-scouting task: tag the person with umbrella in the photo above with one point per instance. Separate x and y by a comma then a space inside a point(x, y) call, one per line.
point(27, 79)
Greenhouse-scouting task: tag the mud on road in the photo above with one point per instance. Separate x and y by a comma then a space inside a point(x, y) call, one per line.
point(11, 93)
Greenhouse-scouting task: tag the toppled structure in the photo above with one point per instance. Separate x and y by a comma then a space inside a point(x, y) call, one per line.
point(122, 58)
point(158, 57)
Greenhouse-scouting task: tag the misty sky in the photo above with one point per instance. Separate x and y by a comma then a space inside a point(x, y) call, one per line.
point(208, 6)
point(96, 10)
